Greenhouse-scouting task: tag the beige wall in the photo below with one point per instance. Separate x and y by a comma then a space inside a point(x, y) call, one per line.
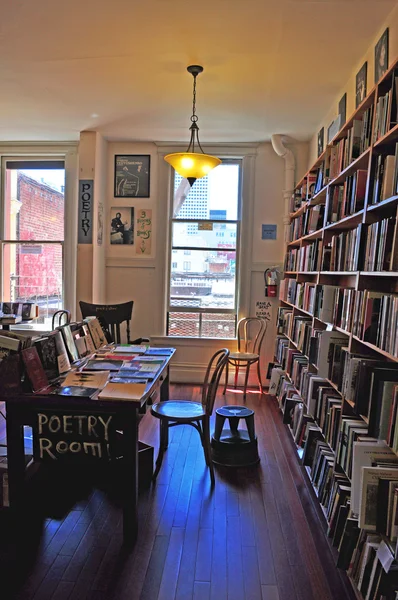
point(349, 86)
point(142, 279)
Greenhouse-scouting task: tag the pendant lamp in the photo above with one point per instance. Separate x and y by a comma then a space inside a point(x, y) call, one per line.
point(192, 164)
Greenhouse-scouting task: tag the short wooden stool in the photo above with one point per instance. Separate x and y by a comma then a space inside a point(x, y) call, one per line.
point(234, 447)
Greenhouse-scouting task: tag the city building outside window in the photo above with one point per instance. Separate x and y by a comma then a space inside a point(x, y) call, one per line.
point(203, 299)
point(34, 234)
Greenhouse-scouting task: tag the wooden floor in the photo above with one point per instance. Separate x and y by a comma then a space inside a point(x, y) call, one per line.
point(259, 536)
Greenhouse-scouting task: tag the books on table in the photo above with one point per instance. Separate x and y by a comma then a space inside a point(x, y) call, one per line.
point(122, 391)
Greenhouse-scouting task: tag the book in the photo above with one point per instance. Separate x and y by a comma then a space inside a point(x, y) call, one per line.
point(103, 365)
point(34, 369)
point(130, 349)
point(93, 379)
point(75, 390)
point(122, 391)
point(159, 351)
point(369, 486)
point(47, 349)
point(96, 332)
point(364, 455)
point(69, 342)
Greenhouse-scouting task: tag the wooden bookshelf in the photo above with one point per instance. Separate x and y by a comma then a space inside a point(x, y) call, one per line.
point(356, 251)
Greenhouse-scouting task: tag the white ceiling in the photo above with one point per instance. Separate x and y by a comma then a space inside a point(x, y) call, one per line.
point(119, 66)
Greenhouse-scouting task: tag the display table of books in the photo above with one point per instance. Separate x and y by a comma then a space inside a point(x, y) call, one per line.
point(88, 413)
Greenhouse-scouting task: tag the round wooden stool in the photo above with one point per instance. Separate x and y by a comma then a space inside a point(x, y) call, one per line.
point(234, 447)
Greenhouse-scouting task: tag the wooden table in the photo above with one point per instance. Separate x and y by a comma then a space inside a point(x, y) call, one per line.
point(24, 409)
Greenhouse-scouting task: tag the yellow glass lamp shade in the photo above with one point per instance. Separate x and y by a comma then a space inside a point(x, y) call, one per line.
point(192, 164)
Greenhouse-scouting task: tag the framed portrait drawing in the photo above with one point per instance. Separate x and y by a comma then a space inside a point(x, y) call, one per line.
point(320, 141)
point(361, 84)
point(381, 56)
point(132, 175)
point(122, 225)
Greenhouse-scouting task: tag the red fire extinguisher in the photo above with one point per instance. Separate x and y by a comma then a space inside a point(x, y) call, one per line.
point(271, 282)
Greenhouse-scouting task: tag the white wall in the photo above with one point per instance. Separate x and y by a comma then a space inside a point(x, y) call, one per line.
point(349, 86)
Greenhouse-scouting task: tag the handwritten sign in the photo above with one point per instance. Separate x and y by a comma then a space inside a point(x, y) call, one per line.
point(61, 435)
point(263, 309)
point(85, 214)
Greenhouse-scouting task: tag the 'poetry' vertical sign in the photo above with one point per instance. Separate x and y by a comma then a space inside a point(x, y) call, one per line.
point(85, 216)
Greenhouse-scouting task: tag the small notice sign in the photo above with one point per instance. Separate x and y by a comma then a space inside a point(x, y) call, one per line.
point(263, 309)
point(268, 232)
point(205, 226)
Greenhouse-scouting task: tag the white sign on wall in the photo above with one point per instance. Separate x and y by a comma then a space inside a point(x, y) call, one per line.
point(264, 309)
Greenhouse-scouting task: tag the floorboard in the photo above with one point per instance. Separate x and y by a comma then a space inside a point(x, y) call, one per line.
point(259, 535)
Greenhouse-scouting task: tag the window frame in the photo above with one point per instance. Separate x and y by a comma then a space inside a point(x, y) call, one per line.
point(66, 152)
point(238, 251)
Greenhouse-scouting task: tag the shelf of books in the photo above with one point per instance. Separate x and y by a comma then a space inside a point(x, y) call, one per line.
point(336, 354)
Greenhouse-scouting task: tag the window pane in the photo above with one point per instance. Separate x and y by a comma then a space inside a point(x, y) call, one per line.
point(218, 325)
point(208, 279)
point(34, 204)
point(33, 273)
point(205, 235)
point(183, 324)
point(201, 325)
point(212, 197)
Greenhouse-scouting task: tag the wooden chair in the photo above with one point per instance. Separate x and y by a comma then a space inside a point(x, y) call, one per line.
point(251, 332)
point(111, 316)
point(197, 414)
point(59, 316)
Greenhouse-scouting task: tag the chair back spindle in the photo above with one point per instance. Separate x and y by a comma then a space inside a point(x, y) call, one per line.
point(212, 378)
point(251, 332)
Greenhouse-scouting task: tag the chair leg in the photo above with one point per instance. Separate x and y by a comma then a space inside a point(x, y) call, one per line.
point(162, 445)
point(207, 448)
point(226, 377)
point(259, 377)
point(236, 374)
point(246, 380)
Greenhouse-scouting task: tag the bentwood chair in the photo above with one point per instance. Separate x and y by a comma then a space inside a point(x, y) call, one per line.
point(251, 332)
point(59, 316)
point(111, 317)
point(185, 412)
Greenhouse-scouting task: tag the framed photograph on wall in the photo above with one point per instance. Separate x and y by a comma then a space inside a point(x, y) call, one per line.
point(320, 141)
point(343, 109)
point(122, 225)
point(361, 84)
point(132, 175)
point(381, 56)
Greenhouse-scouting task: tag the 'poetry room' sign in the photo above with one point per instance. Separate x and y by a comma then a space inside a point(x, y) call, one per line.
point(62, 436)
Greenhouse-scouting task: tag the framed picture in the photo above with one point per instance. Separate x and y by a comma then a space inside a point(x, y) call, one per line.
point(361, 84)
point(381, 56)
point(343, 109)
point(132, 175)
point(122, 225)
point(320, 141)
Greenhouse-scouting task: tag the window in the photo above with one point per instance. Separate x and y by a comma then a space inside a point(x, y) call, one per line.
point(203, 297)
point(34, 234)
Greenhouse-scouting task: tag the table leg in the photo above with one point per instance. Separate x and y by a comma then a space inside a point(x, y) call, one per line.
point(15, 456)
point(130, 476)
point(164, 396)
